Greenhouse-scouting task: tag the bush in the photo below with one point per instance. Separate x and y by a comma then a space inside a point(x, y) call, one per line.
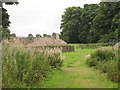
point(106, 60)
point(92, 62)
point(112, 70)
point(25, 68)
point(55, 61)
point(101, 55)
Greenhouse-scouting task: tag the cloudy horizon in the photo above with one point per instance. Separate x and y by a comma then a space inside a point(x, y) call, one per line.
point(40, 16)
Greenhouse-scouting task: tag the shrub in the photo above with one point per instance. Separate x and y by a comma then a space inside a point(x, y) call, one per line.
point(92, 62)
point(106, 60)
point(55, 61)
point(103, 54)
point(112, 70)
point(96, 45)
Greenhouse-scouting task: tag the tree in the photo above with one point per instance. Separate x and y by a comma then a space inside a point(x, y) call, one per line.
point(86, 32)
point(103, 22)
point(5, 24)
point(44, 35)
point(38, 36)
point(5, 33)
point(116, 26)
point(53, 34)
point(30, 36)
point(70, 22)
point(91, 24)
point(4, 21)
point(13, 35)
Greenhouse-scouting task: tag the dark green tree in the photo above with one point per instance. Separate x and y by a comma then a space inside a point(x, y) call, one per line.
point(5, 23)
point(116, 26)
point(30, 37)
point(91, 24)
point(44, 35)
point(70, 24)
point(13, 35)
point(86, 32)
point(53, 34)
point(103, 22)
point(38, 36)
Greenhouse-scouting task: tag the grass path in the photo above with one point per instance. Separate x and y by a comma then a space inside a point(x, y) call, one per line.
point(76, 74)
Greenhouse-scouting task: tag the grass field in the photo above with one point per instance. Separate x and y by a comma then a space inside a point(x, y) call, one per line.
point(77, 74)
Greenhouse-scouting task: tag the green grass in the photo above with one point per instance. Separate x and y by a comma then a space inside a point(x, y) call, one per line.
point(79, 54)
point(76, 73)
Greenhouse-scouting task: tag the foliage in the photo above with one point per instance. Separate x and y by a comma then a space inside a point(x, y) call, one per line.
point(38, 36)
point(86, 32)
point(91, 24)
point(5, 33)
point(70, 23)
point(5, 23)
point(53, 34)
point(103, 55)
point(13, 35)
point(45, 35)
point(106, 60)
point(30, 37)
point(4, 20)
point(23, 68)
point(92, 45)
point(55, 60)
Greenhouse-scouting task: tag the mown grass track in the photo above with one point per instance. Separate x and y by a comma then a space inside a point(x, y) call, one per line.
point(77, 74)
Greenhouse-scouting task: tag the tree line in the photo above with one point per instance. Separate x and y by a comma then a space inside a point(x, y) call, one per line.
point(91, 24)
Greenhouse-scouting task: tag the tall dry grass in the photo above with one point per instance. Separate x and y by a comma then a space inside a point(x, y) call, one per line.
point(22, 67)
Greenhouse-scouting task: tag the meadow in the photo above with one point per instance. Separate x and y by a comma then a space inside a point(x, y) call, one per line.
point(47, 61)
point(51, 68)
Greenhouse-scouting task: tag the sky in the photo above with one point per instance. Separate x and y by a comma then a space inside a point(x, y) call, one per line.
point(40, 16)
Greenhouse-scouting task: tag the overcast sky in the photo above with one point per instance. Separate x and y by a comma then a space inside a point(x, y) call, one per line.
point(40, 16)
